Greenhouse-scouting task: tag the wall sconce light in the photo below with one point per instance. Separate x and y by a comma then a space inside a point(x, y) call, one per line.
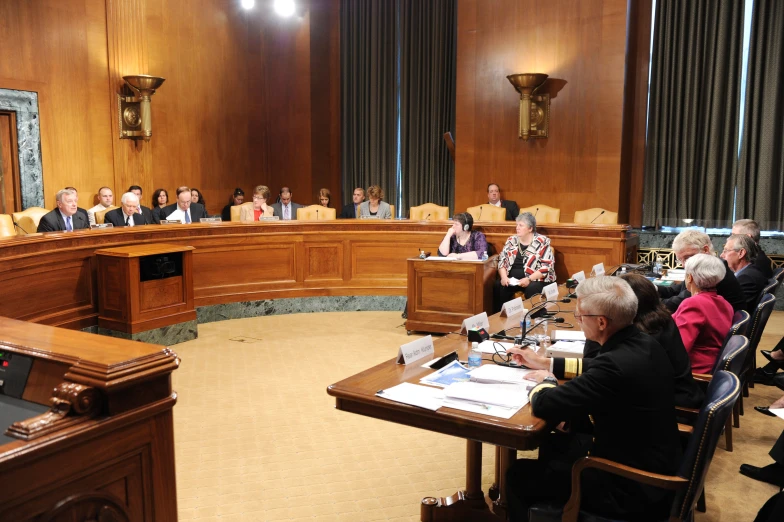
point(134, 111)
point(534, 109)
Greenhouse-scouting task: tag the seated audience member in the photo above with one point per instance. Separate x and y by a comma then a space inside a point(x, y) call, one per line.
point(375, 207)
point(494, 198)
point(653, 319)
point(260, 208)
point(324, 197)
point(772, 473)
point(751, 228)
point(461, 240)
point(184, 211)
point(628, 393)
point(526, 257)
point(237, 198)
point(160, 198)
point(705, 318)
point(66, 217)
point(285, 208)
point(144, 211)
point(106, 200)
point(352, 209)
point(127, 215)
point(685, 245)
point(740, 252)
point(197, 197)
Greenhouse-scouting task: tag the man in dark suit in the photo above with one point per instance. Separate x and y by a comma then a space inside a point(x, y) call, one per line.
point(149, 219)
point(740, 252)
point(751, 228)
point(494, 198)
point(285, 208)
point(127, 215)
point(352, 209)
point(629, 396)
point(184, 211)
point(685, 245)
point(66, 217)
point(78, 208)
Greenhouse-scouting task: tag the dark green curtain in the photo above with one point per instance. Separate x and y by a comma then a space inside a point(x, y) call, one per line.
point(692, 141)
point(398, 62)
point(761, 171)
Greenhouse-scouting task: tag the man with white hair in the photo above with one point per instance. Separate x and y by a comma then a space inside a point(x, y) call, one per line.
point(627, 392)
point(687, 244)
point(65, 218)
point(740, 252)
point(128, 214)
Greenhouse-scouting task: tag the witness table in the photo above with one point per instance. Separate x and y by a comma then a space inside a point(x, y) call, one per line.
point(523, 431)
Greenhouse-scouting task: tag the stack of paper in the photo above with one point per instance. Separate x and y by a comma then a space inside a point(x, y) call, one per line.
point(451, 373)
point(415, 395)
point(568, 335)
point(491, 346)
point(498, 400)
point(572, 349)
point(492, 373)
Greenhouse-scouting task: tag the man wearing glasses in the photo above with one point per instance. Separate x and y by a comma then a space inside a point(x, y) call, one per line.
point(184, 211)
point(740, 252)
point(621, 408)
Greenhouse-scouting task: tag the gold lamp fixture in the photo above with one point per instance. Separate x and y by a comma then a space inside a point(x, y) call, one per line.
point(534, 109)
point(135, 117)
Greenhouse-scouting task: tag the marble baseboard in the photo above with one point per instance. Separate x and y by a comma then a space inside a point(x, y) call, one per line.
point(300, 305)
point(167, 336)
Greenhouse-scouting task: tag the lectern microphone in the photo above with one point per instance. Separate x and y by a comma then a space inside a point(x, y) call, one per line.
point(598, 216)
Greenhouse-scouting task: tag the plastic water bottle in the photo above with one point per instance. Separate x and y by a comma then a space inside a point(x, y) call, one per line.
point(623, 270)
point(657, 268)
point(474, 356)
point(484, 255)
point(525, 325)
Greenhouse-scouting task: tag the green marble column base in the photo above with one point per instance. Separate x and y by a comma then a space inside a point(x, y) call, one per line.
point(167, 336)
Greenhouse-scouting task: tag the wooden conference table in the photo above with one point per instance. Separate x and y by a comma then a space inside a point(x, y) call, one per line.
point(357, 394)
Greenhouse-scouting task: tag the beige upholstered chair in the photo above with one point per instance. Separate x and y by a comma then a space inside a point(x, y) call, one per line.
point(100, 216)
point(429, 211)
point(316, 212)
point(596, 215)
point(235, 210)
point(392, 211)
point(487, 212)
point(28, 219)
point(543, 213)
point(7, 228)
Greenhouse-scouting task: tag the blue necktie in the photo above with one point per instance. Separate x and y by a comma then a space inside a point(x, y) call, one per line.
point(187, 217)
point(68, 227)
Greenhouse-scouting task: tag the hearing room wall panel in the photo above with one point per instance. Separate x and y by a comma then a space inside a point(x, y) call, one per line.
point(581, 45)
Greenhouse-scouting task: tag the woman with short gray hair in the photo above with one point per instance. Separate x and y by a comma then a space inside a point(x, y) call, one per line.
point(704, 318)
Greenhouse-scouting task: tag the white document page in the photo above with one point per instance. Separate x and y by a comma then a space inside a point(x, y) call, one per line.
point(483, 409)
point(439, 258)
point(492, 373)
point(778, 411)
point(491, 346)
point(415, 395)
point(569, 335)
point(504, 395)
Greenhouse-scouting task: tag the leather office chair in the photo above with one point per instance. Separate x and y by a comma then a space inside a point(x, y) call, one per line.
point(429, 211)
point(316, 212)
point(596, 216)
point(487, 212)
point(758, 322)
point(543, 213)
point(392, 211)
point(7, 228)
point(778, 274)
point(235, 210)
point(771, 287)
point(28, 219)
point(689, 480)
point(100, 216)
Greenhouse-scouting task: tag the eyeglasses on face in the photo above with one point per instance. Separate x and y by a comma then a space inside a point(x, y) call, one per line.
point(579, 316)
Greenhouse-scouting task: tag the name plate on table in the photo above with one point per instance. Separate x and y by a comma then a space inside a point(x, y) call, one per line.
point(369, 217)
point(171, 222)
point(550, 292)
point(515, 306)
point(269, 218)
point(598, 270)
point(579, 276)
point(415, 350)
point(475, 323)
point(101, 225)
point(210, 220)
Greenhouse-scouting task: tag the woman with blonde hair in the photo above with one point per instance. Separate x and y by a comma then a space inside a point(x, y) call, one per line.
point(375, 207)
point(260, 208)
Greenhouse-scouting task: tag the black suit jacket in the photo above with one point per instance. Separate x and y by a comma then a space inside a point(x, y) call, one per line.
point(348, 211)
point(763, 263)
point(728, 288)
point(117, 218)
point(752, 281)
point(197, 212)
point(512, 210)
point(629, 392)
point(53, 221)
point(147, 215)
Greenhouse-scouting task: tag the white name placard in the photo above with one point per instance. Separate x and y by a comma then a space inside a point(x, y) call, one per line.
point(210, 220)
point(598, 270)
point(415, 350)
point(515, 306)
point(551, 292)
point(475, 322)
point(579, 276)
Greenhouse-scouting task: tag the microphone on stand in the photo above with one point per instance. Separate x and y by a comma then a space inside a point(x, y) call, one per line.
point(537, 311)
point(481, 208)
point(316, 214)
point(537, 211)
point(427, 216)
point(597, 217)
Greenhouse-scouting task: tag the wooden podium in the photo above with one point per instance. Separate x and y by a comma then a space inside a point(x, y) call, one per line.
point(145, 287)
point(443, 293)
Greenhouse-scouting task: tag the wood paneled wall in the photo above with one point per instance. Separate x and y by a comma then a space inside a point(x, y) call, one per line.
point(249, 98)
point(582, 43)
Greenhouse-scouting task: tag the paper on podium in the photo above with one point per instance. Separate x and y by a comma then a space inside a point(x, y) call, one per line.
point(439, 258)
point(566, 349)
point(492, 373)
point(415, 395)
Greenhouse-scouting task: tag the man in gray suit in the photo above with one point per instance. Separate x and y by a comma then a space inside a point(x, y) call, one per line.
point(65, 218)
point(285, 208)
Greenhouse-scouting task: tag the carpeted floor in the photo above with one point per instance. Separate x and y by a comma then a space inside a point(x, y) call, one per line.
point(258, 438)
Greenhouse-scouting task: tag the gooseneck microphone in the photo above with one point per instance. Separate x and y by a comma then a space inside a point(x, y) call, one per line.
point(316, 214)
point(597, 217)
point(537, 211)
point(427, 216)
point(481, 208)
